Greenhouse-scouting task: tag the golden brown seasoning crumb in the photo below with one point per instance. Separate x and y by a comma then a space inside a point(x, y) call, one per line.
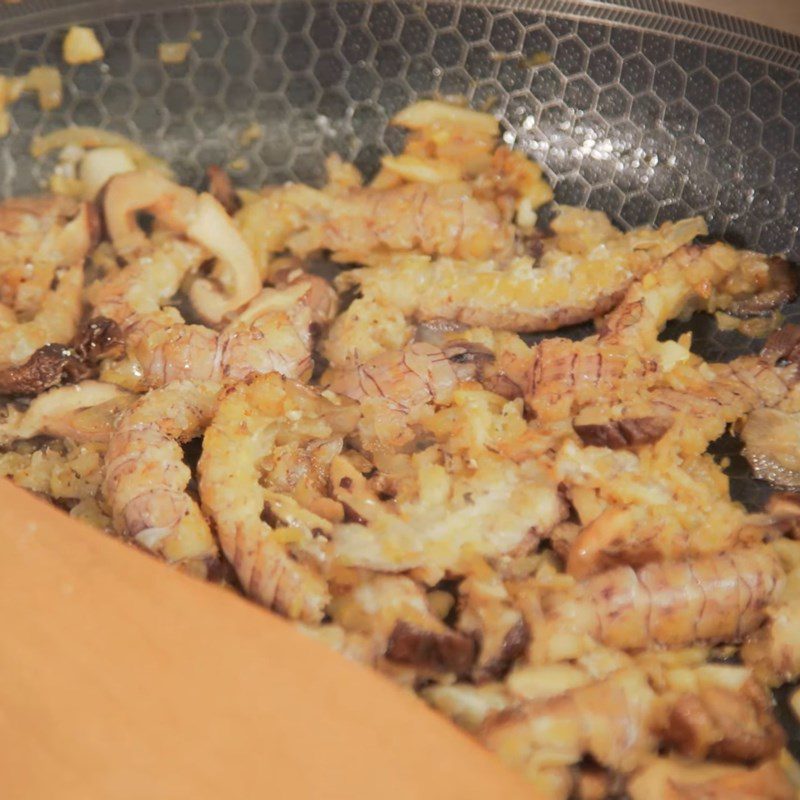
point(252, 133)
point(45, 81)
point(81, 46)
point(173, 52)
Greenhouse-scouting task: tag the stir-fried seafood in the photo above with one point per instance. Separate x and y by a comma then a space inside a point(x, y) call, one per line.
point(145, 479)
point(534, 538)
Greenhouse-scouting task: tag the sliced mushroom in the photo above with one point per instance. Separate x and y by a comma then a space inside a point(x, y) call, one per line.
point(99, 338)
point(783, 345)
point(781, 288)
point(489, 617)
point(618, 434)
point(220, 187)
point(144, 190)
point(236, 279)
point(440, 651)
point(49, 366)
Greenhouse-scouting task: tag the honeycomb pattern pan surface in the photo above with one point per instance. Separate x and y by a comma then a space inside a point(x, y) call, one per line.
point(649, 110)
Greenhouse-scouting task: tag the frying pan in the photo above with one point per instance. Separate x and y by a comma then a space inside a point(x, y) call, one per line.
point(646, 109)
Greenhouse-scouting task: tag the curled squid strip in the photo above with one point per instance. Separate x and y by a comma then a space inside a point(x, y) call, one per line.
point(202, 219)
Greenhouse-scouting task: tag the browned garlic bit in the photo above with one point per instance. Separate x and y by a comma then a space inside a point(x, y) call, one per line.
point(173, 52)
point(45, 81)
point(534, 538)
point(81, 46)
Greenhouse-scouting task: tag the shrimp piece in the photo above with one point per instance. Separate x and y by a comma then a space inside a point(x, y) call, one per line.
point(357, 224)
point(145, 478)
point(314, 513)
point(609, 720)
point(677, 779)
point(278, 564)
point(202, 219)
point(56, 320)
point(412, 377)
point(397, 386)
point(565, 289)
point(364, 330)
point(626, 359)
point(272, 333)
point(773, 652)
point(651, 505)
point(83, 412)
point(720, 598)
point(564, 376)
point(146, 284)
point(29, 227)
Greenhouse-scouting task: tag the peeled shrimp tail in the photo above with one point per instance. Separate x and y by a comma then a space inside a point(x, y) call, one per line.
point(147, 283)
point(273, 333)
point(565, 375)
point(719, 598)
point(146, 480)
point(517, 295)
point(276, 565)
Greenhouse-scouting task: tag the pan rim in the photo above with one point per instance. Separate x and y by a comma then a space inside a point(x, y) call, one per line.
point(677, 19)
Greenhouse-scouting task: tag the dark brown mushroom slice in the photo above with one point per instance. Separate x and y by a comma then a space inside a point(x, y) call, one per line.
point(781, 289)
point(99, 338)
point(783, 345)
point(496, 665)
point(220, 187)
point(51, 365)
point(439, 651)
point(619, 434)
point(468, 359)
point(487, 615)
